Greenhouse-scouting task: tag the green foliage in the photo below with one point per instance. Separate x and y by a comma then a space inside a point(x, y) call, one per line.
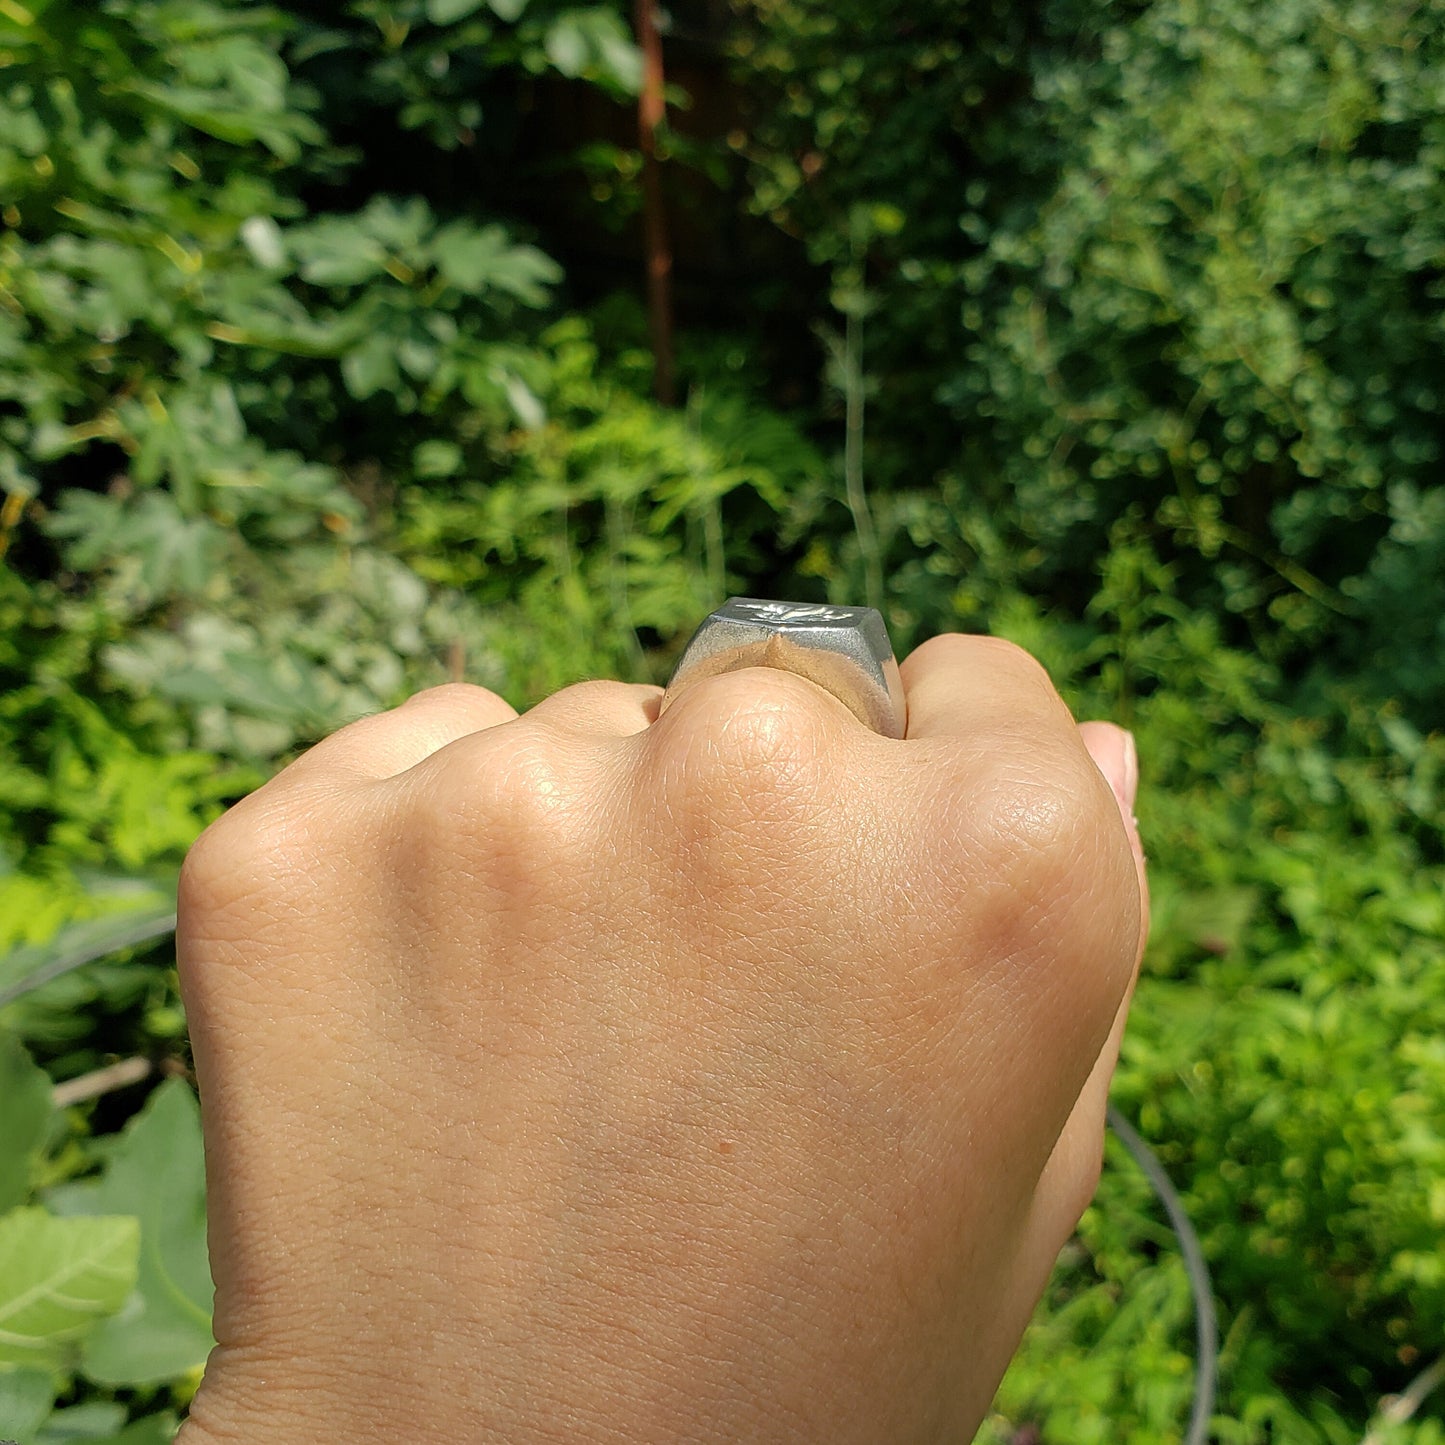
point(156, 1174)
point(1284, 1049)
point(1192, 274)
point(24, 1122)
point(108, 1280)
point(60, 1276)
point(608, 521)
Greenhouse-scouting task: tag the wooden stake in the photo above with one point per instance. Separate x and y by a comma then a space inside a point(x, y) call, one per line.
point(651, 111)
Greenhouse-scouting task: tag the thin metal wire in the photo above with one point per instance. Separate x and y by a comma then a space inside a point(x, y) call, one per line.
point(1206, 1322)
point(148, 930)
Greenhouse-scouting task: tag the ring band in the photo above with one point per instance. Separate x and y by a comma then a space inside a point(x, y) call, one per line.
point(844, 650)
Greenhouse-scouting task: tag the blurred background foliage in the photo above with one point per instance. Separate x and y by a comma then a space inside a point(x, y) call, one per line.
point(1113, 328)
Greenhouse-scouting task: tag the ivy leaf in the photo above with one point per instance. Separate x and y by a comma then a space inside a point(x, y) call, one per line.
point(25, 1110)
point(157, 1174)
point(25, 1400)
point(58, 1277)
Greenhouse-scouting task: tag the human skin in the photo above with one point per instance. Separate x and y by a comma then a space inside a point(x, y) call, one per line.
point(733, 1075)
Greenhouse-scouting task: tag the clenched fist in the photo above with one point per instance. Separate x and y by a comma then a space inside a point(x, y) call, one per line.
point(733, 1075)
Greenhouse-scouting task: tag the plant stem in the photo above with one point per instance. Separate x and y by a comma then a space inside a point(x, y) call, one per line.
point(854, 405)
point(101, 1081)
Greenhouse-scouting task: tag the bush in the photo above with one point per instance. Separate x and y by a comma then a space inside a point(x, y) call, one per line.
point(1151, 261)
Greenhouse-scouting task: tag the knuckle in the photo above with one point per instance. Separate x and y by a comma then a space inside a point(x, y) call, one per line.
point(512, 790)
point(220, 870)
point(1042, 807)
point(204, 870)
point(449, 694)
point(1017, 659)
point(967, 651)
point(587, 695)
point(280, 847)
point(246, 886)
point(1059, 858)
point(462, 700)
point(748, 747)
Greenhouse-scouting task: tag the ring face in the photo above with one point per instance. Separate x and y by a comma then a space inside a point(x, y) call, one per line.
point(843, 649)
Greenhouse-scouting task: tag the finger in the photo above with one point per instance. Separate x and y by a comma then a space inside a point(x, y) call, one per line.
point(389, 743)
point(612, 709)
point(960, 685)
point(1071, 1174)
point(1114, 752)
point(1112, 749)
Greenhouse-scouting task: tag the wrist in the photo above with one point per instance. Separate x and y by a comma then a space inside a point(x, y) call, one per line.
point(305, 1405)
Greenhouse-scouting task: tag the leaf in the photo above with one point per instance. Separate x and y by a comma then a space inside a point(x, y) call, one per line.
point(157, 1173)
point(526, 406)
point(25, 1400)
point(476, 259)
point(448, 12)
point(567, 46)
point(263, 239)
point(336, 252)
point(103, 1423)
point(94, 1420)
point(437, 458)
point(371, 367)
point(594, 39)
point(171, 551)
point(25, 1110)
point(153, 1430)
point(58, 1277)
point(508, 10)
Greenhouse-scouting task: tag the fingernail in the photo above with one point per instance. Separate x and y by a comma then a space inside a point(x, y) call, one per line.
point(1128, 791)
point(1131, 773)
point(1114, 751)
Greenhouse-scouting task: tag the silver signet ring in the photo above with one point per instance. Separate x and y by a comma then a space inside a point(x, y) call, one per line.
point(845, 650)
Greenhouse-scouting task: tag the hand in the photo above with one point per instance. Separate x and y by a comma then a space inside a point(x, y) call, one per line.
point(588, 1076)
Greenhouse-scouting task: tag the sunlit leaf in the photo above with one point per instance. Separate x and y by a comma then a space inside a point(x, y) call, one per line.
point(25, 1110)
point(58, 1278)
point(157, 1174)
